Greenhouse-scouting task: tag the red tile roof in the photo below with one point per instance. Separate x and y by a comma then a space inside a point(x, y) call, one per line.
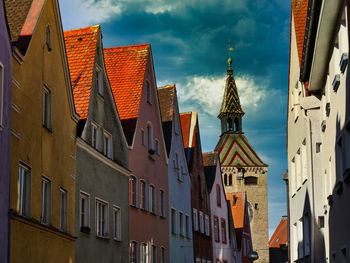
point(81, 45)
point(189, 127)
point(126, 67)
point(280, 236)
point(237, 207)
point(299, 12)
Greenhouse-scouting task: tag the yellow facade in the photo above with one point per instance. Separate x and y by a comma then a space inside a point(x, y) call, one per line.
point(49, 154)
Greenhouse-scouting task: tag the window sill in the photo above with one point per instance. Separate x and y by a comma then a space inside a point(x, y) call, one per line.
point(134, 206)
point(103, 237)
point(117, 239)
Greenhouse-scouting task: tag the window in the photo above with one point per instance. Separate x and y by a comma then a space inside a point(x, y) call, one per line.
point(143, 192)
point(306, 234)
point(223, 231)
point(187, 226)
point(207, 225)
point(107, 145)
point(63, 209)
point(173, 221)
point(101, 218)
point(218, 196)
point(47, 108)
point(143, 141)
point(152, 199)
point(150, 138)
point(45, 201)
point(195, 219)
point(181, 219)
point(94, 131)
point(48, 37)
point(225, 179)
point(162, 203)
point(148, 91)
point(201, 222)
point(154, 254)
point(156, 143)
point(84, 212)
point(162, 255)
point(99, 81)
point(216, 229)
point(24, 208)
point(1, 94)
point(230, 179)
point(117, 223)
point(133, 252)
point(143, 253)
point(133, 190)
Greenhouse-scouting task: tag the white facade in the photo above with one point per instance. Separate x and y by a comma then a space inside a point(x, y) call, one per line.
point(319, 143)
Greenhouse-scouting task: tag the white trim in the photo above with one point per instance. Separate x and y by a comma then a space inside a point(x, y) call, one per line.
point(88, 220)
point(83, 145)
point(99, 200)
point(114, 209)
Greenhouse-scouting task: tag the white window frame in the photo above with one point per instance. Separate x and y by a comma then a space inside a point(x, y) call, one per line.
point(152, 199)
point(24, 190)
point(133, 252)
point(94, 135)
point(63, 209)
point(45, 201)
point(143, 253)
point(143, 194)
point(117, 223)
point(195, 219)
point(101, 227)
point(2, 74)
point(47, 107)
point(201, 222)
point(85, 196)
point(107, 144)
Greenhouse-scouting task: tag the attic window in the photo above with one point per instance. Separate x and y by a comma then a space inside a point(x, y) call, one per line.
point(148, 92)
point(48, 38)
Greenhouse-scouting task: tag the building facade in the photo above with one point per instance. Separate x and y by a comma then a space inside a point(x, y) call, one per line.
point(131, 73)
point(102, 176)
point(223, 249)
point(202, 241)
point(241, 167)
point(180, 212)
point(5, 109)
point(42, 193)
point(318, 131)
point(278, 244)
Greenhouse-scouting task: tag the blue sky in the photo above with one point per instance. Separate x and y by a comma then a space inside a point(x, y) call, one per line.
point(189, 41)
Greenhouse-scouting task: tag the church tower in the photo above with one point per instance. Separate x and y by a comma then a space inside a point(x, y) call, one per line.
point(241, 168)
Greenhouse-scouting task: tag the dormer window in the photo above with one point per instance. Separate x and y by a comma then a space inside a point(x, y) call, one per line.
point(48, 38)
point(148, 92)
point(99, 81)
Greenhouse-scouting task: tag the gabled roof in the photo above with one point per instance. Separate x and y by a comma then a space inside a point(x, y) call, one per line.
point(126, 67)
point(166, 97)
point(81, 46)
point(189, 121)
point(280, 236)
point(299, 14)
point(210, 162)
point(235, 150)
point(238, 207)
point(22, 16)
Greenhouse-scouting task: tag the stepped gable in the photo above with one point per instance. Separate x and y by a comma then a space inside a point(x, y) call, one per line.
point(81, 45)
point(22, 16)
point(235, 150)
point(210, 160)
point(280, 236)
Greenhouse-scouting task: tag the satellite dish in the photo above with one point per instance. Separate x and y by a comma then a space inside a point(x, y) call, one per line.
point(253, 255)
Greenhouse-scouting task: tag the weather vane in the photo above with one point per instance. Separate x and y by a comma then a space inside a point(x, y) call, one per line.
point(230, 50)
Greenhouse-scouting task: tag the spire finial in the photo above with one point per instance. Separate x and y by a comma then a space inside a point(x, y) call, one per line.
point(229, 60)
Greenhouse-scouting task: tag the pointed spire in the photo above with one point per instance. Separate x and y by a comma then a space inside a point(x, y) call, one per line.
point(231, 112)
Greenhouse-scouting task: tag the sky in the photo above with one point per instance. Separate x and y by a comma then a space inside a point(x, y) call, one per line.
point(190, 39)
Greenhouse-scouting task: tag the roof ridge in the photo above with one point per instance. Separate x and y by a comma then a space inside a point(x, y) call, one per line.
point(132, 45)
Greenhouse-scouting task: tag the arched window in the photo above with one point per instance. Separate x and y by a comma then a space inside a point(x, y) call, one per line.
point(133, 190)
point(150, 140)
point(225, 179)
point(236, 124)
point(230, 179)
point(229, 124)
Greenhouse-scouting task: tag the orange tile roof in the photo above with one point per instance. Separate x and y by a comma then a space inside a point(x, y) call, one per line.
point(185, 127)
point(237, 207)
point(81, 45)
point(299, 12)
point(126, 67)
point(280, 236)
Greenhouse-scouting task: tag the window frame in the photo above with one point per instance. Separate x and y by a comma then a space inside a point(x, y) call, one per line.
point(143, 195)
point(173, 221)
point(223, 230)
point(87, 217)
point(47, 107)
point(63, 209)
point(107, 146)
point(94, 135)
point(162, 203)
point(117, 223)
point(181, 224)
point(207, 225)
point(201, 222)
point(105, 222)
point(133, 252)
point(195, 219)
point(152, 199)
point(46, 199)
point(143, 253)
point(218, 195)
point(25, 190)
point(133, 191)
point(150, 138)
point(216, 226)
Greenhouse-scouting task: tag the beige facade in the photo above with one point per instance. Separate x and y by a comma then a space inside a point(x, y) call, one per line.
point(43, 143)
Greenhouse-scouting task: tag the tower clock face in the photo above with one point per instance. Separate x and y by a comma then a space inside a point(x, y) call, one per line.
point(250, 212)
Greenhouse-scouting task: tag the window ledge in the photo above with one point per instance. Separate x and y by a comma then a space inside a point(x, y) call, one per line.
point(117, 239)
point(103, 237)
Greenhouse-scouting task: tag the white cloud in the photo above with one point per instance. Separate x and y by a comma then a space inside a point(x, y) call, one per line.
point(208, 91)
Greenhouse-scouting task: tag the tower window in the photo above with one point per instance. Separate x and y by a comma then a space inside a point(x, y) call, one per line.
point(229, 123)
point(225, 179)
point(230, 179)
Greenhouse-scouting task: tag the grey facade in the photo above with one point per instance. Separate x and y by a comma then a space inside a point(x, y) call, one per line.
point(5, 105)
